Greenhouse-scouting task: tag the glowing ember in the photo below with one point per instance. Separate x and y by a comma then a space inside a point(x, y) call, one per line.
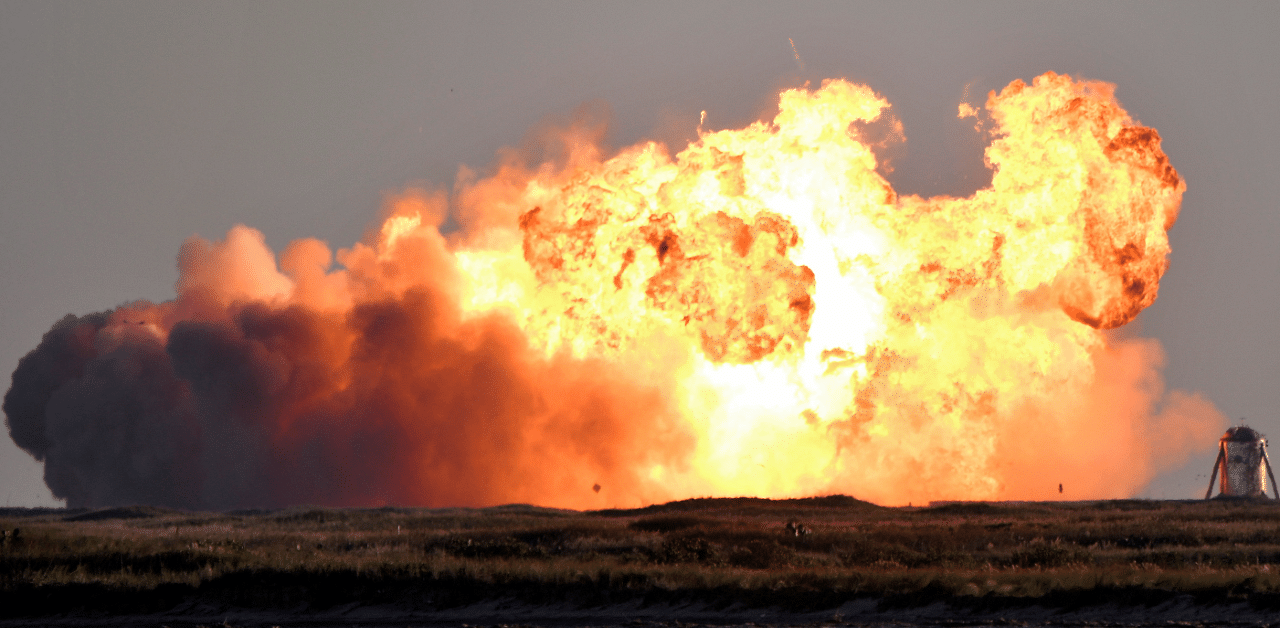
point(760, 314)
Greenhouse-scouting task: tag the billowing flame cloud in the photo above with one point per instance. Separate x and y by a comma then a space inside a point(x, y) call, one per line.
point(760, 314)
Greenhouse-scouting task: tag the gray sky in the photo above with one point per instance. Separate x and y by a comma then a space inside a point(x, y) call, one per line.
point(126, 127)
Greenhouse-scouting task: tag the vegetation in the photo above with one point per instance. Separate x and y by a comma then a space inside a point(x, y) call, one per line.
point(804, 554)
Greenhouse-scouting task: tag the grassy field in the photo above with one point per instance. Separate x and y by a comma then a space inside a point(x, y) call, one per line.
point(716, 551)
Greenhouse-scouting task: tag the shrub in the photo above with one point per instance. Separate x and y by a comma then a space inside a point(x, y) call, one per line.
point(762, 554)
point(1050, 555)
point(670, 523)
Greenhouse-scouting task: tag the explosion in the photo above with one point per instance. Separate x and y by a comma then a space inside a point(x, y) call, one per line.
point(759, 314)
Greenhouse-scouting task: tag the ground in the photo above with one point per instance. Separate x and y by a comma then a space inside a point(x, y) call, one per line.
point(709, 561)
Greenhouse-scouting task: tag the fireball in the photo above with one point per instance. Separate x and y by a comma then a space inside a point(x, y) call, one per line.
point(758, 314)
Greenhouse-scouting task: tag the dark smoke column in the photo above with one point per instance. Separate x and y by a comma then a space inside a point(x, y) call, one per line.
point(107, 415)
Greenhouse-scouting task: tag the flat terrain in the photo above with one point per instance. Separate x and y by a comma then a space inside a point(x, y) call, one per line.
point(804, 559)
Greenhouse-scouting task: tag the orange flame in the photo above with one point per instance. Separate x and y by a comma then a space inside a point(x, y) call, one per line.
point(832, 336)
point(760, 314)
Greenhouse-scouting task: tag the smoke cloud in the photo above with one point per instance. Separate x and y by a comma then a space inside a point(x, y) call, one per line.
point(759, 314)
point(355, 387)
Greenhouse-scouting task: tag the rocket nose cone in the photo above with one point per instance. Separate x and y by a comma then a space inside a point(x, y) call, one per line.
point(1242, 433)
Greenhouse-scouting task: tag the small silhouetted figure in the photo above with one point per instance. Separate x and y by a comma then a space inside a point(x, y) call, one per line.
point(1059, 487)
point(595, 487)
point(796, 529)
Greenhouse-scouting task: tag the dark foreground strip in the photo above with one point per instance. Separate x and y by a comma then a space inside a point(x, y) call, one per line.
point(275, 590)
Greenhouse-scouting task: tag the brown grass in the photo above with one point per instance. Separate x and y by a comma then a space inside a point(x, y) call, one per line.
point(719, 551)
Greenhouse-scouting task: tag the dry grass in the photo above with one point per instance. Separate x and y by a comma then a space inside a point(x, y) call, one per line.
point(721, 551)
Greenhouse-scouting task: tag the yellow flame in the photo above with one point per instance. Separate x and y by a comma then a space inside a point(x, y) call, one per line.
point(832, 336)
point(397, 227)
